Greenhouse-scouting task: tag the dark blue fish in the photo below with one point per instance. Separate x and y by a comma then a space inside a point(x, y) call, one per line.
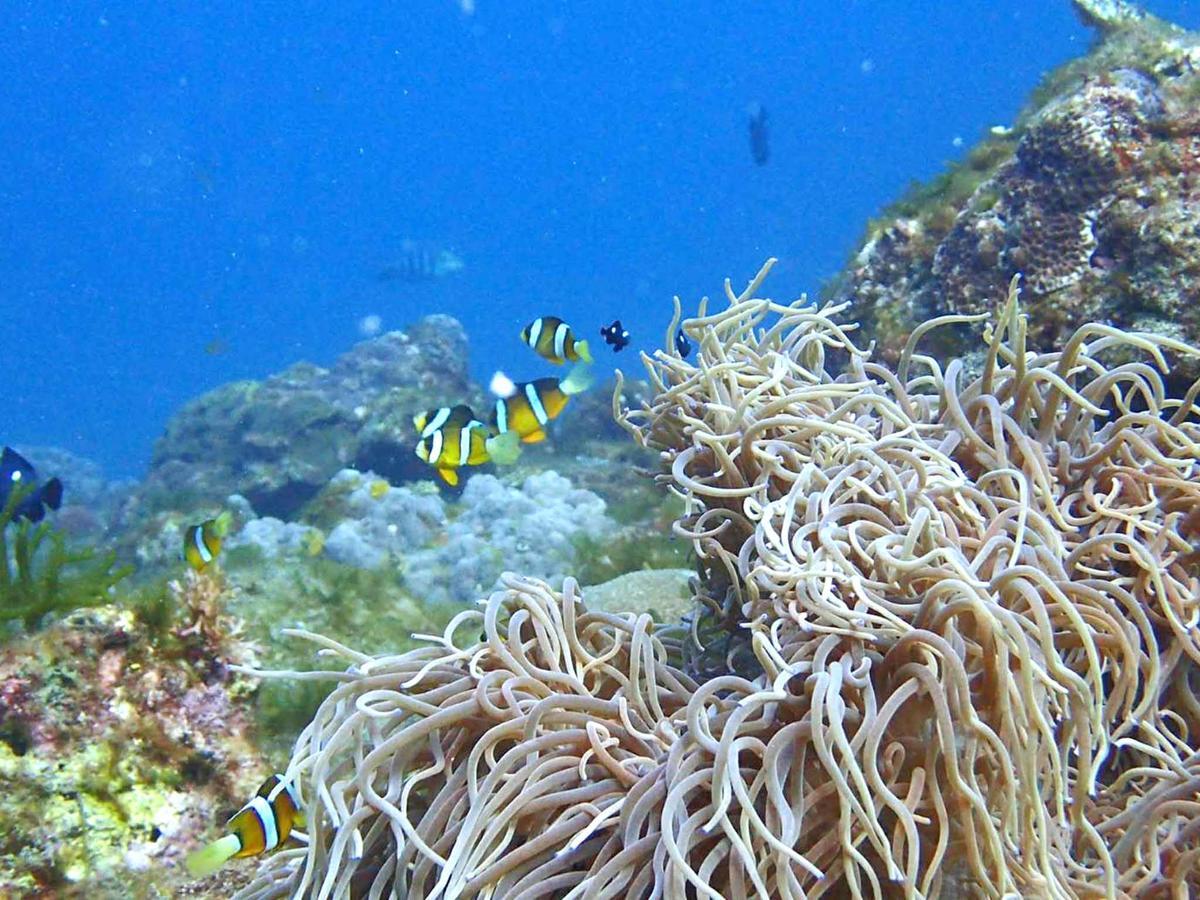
point(16, 470)
point(682, 345)
point(760, 147)
point(615, 336)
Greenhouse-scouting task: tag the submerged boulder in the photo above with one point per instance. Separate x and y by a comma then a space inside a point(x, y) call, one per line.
point(278, 441)
point(1093, 198)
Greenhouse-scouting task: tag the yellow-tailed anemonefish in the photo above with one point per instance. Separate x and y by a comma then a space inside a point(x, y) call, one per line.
point(451, 437)
point(202, 543)
point(526, 408)
point(551, 338)
point(258, 827)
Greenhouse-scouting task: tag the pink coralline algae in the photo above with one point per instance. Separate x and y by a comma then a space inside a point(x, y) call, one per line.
point(140, 738)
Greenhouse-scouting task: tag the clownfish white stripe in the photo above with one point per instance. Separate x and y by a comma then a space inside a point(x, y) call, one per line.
point(438, 420)
point(535, 332)
point(284, 786)
point(266, 817)
point(535, 403)
point(501, 416)
point(435, 448)
point(201, 547)
point(560, 339)
point(464, 443)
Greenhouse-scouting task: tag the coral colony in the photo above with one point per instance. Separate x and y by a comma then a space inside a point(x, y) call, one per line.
point(959, 649)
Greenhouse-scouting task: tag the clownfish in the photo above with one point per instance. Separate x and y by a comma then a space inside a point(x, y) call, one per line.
point(451, 437)
point(526, 408)
point(261, 825)
point(551, 338)
point(202, 543)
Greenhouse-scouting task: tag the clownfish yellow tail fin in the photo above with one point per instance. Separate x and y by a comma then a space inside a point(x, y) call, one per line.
point(209, 858)
point(222, 522)
point(578, 380)
point(503, 449)
point(581, 347)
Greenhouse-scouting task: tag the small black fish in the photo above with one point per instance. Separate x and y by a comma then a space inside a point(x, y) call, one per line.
point(15, 470)
point(682, 345)
point(615, 336)
point(760, 148)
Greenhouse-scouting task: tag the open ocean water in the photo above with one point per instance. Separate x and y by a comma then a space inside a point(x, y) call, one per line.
point(196, 193)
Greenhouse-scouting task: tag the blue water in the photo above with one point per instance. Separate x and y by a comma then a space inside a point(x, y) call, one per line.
point(175, 175)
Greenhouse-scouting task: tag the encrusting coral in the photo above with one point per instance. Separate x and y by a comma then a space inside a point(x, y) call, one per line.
point(947, 644)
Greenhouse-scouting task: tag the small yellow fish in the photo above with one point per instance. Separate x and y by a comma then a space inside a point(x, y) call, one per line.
point(378, 489)
point(530, 406)
point(314, 542)
point(551, 338)
point(451, 437)
point(202, 543)
point(261, 825)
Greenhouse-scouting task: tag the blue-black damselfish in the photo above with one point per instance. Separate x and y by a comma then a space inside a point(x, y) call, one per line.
point(615, 336)
point(16, 470)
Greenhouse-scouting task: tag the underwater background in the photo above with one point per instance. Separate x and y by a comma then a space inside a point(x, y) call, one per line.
point(361, 376)
point(187, 177)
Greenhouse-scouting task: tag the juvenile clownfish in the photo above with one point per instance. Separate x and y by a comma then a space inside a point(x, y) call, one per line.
point(258, 827)
point(451, 437)
point(615, 335)
point(202, 543)
point(551, 338)
point(526, 408)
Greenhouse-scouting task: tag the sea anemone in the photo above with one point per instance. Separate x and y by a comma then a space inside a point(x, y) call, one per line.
point(946, 641)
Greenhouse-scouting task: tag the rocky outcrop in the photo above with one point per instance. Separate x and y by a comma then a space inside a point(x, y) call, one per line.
point(1093, 198)
point(278, 441)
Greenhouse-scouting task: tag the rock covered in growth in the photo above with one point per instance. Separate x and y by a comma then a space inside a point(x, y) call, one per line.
point(93, 504)
point(278, 441)
point(119, 750)
point(454, 551)
point(532, 528)
point(1093, 197)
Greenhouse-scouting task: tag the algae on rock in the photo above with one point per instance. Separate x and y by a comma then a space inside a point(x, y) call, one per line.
point(40, 575)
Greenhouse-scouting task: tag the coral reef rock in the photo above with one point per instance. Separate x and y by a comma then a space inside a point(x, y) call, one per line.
point(1093, 198)
point(120, 747)
point(531, 528)
point(664, 593)
point(278, 441)
point(93, 504)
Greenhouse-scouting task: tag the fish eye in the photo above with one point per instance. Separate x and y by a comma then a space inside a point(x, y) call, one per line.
point(16, 476)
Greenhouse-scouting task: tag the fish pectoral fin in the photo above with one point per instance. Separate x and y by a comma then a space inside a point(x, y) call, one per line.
point(450, 476)
point(534, 437)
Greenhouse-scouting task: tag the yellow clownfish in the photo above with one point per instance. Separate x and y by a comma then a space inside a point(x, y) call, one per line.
point(261, 825)
point(526, 408)
point(451, 437)
point(202, 543)
point(551, 338)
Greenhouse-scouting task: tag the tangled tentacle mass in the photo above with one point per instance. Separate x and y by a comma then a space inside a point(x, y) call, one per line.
point(946, 644)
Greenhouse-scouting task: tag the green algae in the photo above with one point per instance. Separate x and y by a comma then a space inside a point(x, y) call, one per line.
point(602, 559)
point(40, 575)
